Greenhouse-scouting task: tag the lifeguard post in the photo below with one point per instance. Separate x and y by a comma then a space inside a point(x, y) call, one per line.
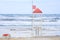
point(36, 20)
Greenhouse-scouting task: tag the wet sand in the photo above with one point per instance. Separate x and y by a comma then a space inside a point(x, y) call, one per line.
point(34, 38)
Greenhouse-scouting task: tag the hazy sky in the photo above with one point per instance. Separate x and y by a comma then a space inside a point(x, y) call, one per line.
point(24, 6)
point(15, 6)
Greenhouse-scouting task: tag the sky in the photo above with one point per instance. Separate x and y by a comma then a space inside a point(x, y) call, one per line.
point(15, 6)
point(25, 6)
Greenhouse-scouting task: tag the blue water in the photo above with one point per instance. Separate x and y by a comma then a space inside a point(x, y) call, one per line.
point(30, 15)
point(7, 18)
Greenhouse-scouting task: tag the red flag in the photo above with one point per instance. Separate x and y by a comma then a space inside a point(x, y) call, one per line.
point(33, 7)
point(36, 10)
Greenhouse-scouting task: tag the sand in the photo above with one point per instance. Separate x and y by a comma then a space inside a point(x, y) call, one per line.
point(34, 38)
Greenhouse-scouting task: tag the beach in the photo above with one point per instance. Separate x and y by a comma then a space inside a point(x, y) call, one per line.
point(34, 38)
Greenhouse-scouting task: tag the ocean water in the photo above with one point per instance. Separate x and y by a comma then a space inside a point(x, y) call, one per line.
point(22, 25)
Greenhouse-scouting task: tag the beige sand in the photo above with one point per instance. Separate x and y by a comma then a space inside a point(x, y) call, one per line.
point(34, 38)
